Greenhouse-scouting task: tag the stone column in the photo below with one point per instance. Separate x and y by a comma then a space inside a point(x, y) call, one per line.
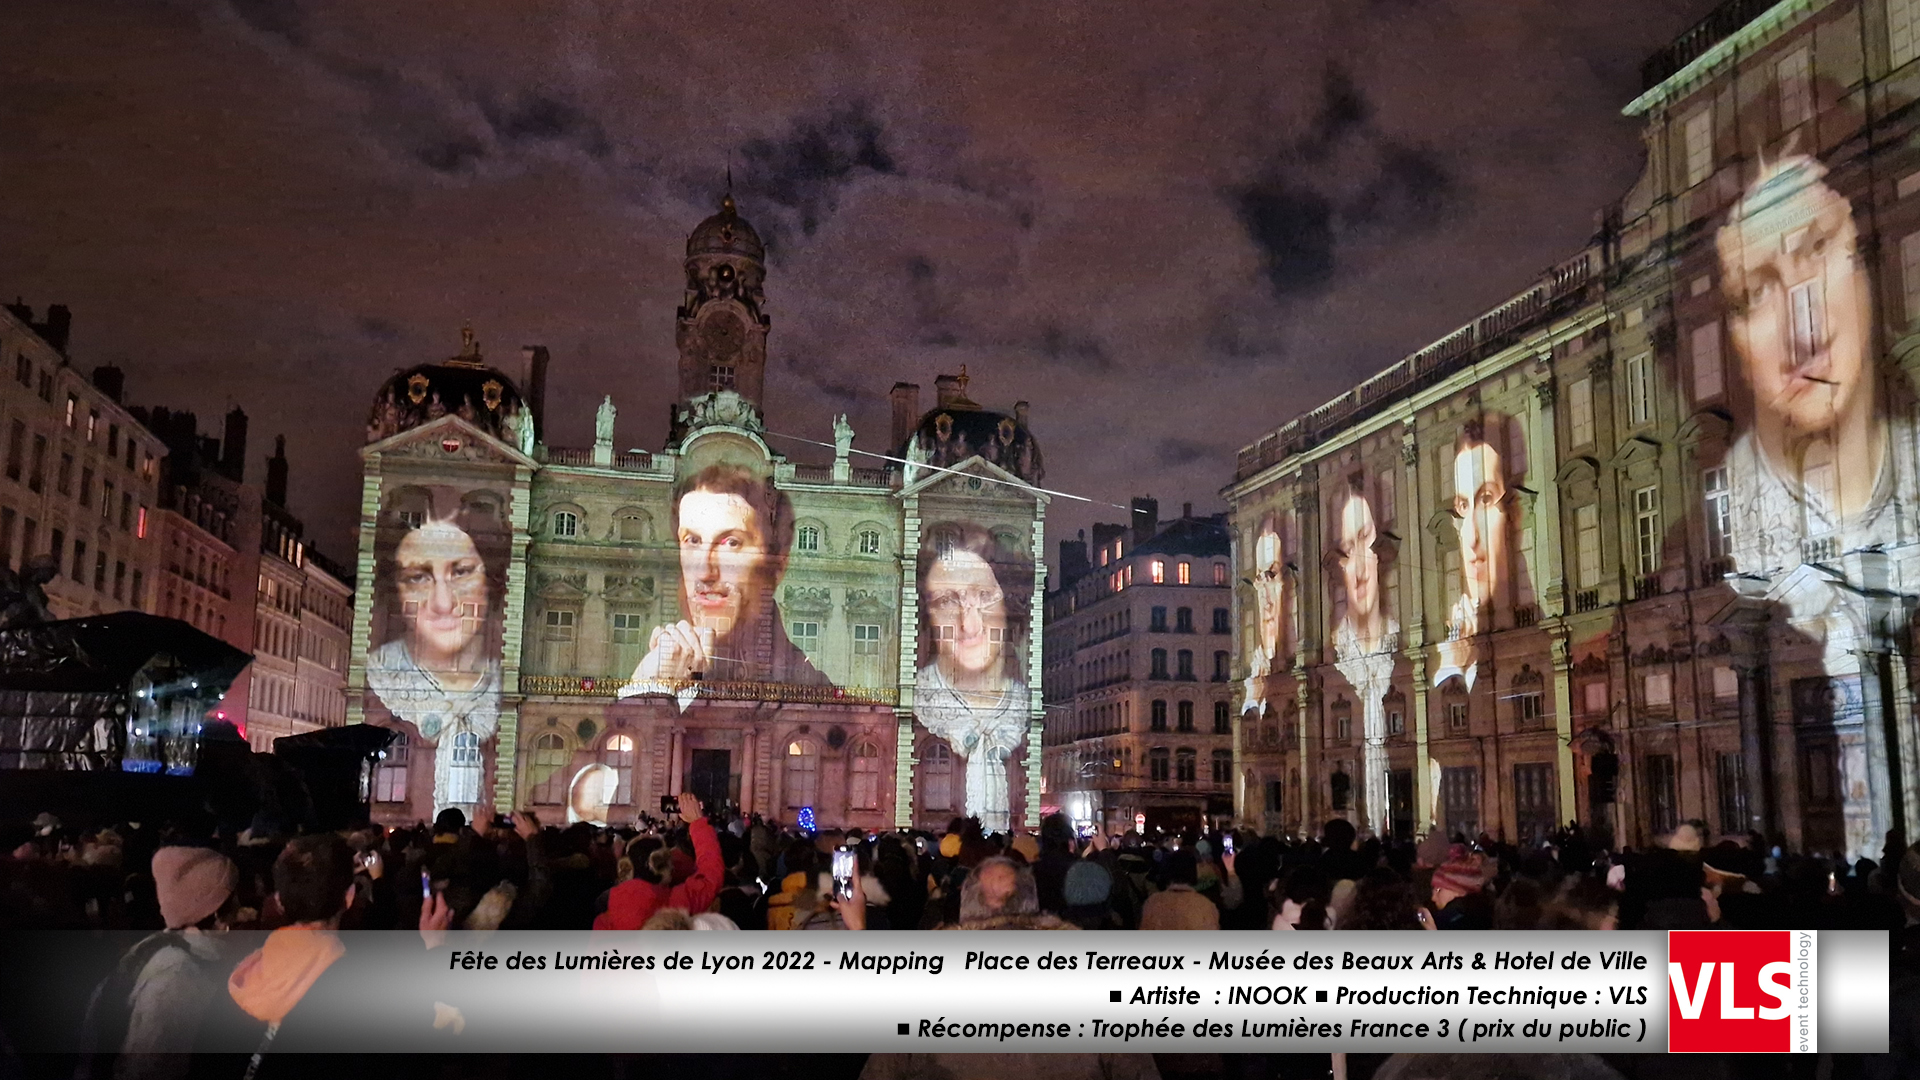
point(1036, 693)
point(1413, 617)
point(1307, 594)
point(1552, 600)
point(506, 749)
point(674, 760)
point(749, 757)
point(906, 673)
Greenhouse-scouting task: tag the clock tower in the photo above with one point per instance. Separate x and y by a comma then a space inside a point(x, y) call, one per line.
point(722, 331)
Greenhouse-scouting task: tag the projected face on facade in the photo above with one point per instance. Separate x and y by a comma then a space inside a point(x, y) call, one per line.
point(1271, 593)
point(731, 528)
point(1364, 640)
point(1359, 566)
point(975, 592)
point(1800, 315)
point(440, 584)
point(1488, 457)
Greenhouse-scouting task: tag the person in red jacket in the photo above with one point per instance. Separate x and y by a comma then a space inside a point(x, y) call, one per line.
point(633, 902)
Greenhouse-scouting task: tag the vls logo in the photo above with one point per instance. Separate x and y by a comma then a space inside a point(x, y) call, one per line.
point(1741, 991)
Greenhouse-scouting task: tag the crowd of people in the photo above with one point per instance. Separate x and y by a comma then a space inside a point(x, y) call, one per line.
point(195, 894)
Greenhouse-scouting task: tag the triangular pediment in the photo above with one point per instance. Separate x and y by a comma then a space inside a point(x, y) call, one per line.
point(448, 438)
point(974, 477)
point(1638, 448)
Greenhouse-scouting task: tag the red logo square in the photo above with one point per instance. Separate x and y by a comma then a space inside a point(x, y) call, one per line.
point(1730, 991)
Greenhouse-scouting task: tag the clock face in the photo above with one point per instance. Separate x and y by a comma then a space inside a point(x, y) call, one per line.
point(722, 336)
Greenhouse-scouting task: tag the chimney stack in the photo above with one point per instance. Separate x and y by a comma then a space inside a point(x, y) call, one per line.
point(1145, 518)
point(110, 381)
point(1073, 559)
point(536, 357)
point(277, 472)
point(906, 413)
point(58, 327)
point(233, 449)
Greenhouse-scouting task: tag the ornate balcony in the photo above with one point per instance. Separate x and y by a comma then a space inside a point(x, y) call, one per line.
point(574, 686)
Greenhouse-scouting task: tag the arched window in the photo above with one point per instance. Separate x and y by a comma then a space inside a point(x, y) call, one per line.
point(865, 785)
point(391, 783)
point(936, 776)
point(549, 769)
point(617, 755)
point(633, 528)
point(1158, 761)
point(1183, 765)
point(802, 773)
point(463, 779)
point(869, 542)
point(566, 524)
point(1157, 569)
point(1183, 573)
point(807, 538)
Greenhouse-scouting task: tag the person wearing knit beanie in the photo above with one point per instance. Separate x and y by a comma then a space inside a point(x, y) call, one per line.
point(192, 883)
point(1463, 874)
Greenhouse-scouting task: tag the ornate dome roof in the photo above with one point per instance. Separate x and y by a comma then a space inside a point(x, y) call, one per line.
point(726, 233)
point(463, 385)
point(961, 428)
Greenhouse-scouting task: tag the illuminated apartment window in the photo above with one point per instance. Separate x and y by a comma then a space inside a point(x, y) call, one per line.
point(1219, 573)
point(1708, 378)
point(1157, 569)
point(1699, 139)
point(73, 406)
point(1184, 573)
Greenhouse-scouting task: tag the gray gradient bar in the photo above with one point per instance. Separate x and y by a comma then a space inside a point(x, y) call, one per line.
point(1855, 976)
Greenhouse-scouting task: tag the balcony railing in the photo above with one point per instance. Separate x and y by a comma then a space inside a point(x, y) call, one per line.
point(633, 463)
point(1493, 330)
point(1586, 600)
point(1719, 25)
point(1647, 586)
point(1526, 615)
point(589, 687)
point(1820, 549)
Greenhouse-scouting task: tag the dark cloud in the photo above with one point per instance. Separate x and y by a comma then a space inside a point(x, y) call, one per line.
point(1412, 191)
point(1344, 111)
point(1177, 453)
point(533, 116)
point(804, 169)
point(283, 19)
point(1293, 227)
point(378, 329)
point(1076, 351)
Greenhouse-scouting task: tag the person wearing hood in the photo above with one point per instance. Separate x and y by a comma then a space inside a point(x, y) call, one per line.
point(301, 987)
point(1000, 894)
point(633, 902)
point(1181, 906)
point(151, 1010)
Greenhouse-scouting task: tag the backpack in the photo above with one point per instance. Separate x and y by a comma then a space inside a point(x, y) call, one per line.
point(110, 1008)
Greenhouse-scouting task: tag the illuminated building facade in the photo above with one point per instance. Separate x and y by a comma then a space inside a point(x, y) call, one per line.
point(1138, 674)
point(585, 631)
point(1629, 549)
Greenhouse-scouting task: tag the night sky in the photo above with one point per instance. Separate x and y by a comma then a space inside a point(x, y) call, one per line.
point(1168, 226)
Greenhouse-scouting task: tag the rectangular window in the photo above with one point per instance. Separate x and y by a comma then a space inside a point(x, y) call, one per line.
point(1659, 689)
point(1222, 767)
point(720, 377)
point(1460, 800)
point(1594, 694)
point(1719, 512)
point(1640, 389)
point(1732, 770)
point(1219, 573)
point(119, 580)
point(1646, 527)
point(58, 549)
point(1158, 570)
point(1342, 726)
point(37, 470)
point(1726, 683)
point(1708, 379)
point(866, 639)
point(1807, 317)
point(1903, 35)
point(1184, 712)
point(6, 536)
point(559, 625)
point(1457, 715)
point(73, 408)
point(808, 538)
point(1699, 137)
point(113, 440)
point(23, 370)
point(1586, 545)
point(1157, 765)
point(806, 634)
point(16, 449)
point(1662, 806)
point(1220, 666)
point(1795, 78)
point(1396, 722)
point(1222, 620)
point(1910, 273)
point(86, 487)
point(1184, 765)
point(1529, 709)
point(1183, 573)
point(1157, 620)
point(1158, 716)
point(1183, 620)
point(1580, 411)
point(1222, 719)
point(1535, 802)
point(1185, 659)
point(63, 479)
point(629, 628)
